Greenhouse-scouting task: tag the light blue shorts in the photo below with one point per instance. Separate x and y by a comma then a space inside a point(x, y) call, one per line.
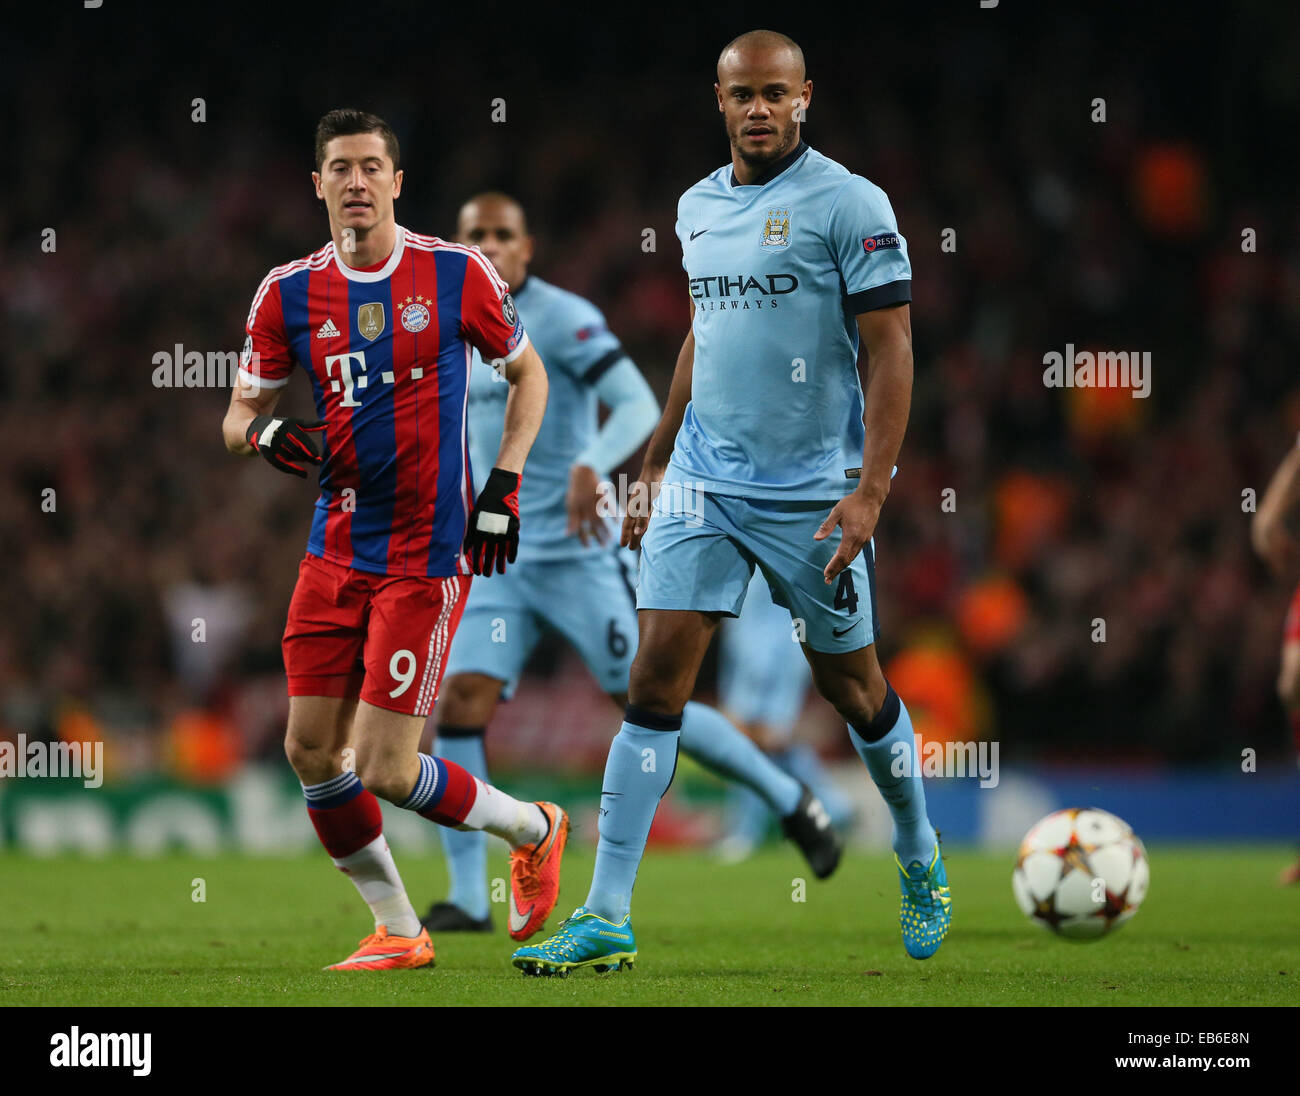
point(701, 549)
point(588, 599)
point(763, 676)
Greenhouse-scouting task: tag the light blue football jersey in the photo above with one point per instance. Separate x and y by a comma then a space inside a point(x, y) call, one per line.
point(577, 349)
point(778, 272)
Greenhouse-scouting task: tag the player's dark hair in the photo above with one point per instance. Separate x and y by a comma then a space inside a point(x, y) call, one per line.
point(345, 122)
point(494, 196)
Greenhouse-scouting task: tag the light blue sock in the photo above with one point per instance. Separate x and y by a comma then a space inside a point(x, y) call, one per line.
point(466, 850)
point(642, 761)
point(893, 751)
point(801, 762)
point(747, 815)
point(709, 737)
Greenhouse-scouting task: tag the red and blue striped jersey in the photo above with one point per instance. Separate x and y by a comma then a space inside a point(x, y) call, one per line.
point(388, 353)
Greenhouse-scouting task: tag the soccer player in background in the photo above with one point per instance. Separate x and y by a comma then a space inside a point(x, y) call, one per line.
point(570, 575)
point(761, 689)
point(382, 321)
point(791, 260)
point(1274, 542)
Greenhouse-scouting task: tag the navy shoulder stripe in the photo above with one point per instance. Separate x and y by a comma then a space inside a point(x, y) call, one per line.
point(880, 296)
point(603, 364)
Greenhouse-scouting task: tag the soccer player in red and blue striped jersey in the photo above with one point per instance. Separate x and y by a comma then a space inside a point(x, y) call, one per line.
point(383, 321)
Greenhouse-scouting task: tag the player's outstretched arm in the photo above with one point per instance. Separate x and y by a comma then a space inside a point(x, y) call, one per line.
point(660, 450)
point(1268, 531)
point(886, 335)
point(492, 533)
point(525, 406)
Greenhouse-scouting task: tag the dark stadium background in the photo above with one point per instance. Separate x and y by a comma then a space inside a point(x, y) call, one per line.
point(1071, 506)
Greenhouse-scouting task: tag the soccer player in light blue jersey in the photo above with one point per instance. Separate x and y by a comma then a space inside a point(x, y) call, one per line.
point(570, 573)
point(771, 454)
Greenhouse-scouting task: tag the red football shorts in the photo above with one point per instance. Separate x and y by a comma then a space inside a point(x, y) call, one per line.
point(1291, 632)
point(383, 638)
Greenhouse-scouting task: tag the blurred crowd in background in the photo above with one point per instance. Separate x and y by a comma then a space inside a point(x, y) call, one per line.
point(1065, 507)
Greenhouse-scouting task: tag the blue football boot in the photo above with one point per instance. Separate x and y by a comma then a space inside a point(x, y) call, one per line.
point(584, 940)
point(926, 910)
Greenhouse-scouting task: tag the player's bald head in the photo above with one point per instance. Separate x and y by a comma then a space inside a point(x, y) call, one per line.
point(763, 94)
point(761, 47)
point(494, 203)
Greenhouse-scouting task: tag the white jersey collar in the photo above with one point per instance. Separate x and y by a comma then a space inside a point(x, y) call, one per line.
point(383, 272)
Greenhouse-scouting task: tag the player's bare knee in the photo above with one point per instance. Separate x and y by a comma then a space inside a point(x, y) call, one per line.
point(855, 707)
point(657, 686)
point(312, 761)
point(856, 699)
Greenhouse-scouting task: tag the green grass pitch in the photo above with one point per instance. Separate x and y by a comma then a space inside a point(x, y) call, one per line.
point(1215, 929)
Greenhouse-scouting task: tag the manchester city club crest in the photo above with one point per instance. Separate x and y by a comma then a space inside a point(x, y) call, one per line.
point(370, 320)
point(415, 317)
point(776, 229)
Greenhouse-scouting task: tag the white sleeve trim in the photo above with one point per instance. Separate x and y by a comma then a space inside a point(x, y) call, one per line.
point(517, 350)
point(260, 382)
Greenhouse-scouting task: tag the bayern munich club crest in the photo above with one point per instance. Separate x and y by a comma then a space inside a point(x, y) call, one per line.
point(415, 316)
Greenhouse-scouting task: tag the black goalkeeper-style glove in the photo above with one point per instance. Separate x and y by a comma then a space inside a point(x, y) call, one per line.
point(283, 441)
point(492, 535)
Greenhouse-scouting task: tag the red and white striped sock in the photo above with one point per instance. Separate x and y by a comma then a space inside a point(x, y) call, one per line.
point(350, 825)
point(447, 794)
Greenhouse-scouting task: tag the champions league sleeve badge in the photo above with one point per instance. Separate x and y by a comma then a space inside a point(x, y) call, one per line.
point(883, 240)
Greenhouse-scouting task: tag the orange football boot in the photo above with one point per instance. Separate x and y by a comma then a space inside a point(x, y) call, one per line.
point(535, 875)
point(381, 951)
point(1289, 875)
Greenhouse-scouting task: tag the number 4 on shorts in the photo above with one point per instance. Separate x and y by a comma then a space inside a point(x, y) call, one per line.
point(845, 596)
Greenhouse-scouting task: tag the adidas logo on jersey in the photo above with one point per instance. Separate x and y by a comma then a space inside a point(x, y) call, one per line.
point(327, 330)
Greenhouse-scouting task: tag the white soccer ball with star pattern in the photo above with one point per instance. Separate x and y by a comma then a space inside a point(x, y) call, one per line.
point(1081, 873)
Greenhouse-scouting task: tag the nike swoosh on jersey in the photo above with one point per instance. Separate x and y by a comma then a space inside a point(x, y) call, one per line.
point(700, 233)
point(844, 631)
point(518, 920)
